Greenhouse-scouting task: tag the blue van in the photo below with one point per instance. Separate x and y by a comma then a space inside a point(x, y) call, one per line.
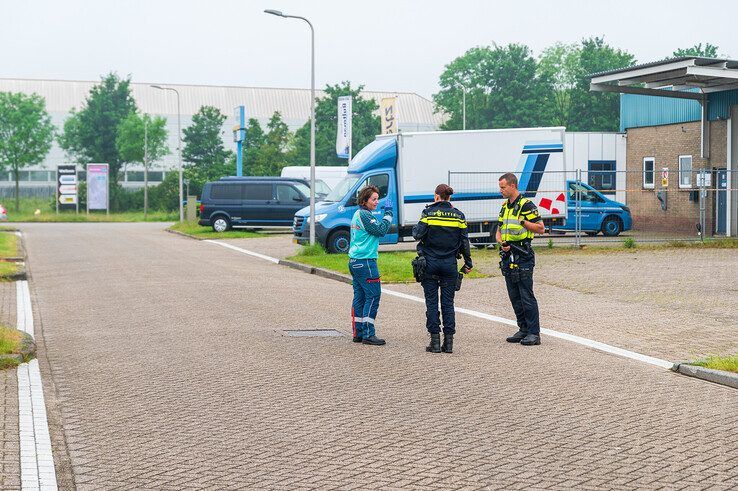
point(598, 212)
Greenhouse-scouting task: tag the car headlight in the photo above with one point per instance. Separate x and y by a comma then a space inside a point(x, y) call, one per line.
point(317, 217)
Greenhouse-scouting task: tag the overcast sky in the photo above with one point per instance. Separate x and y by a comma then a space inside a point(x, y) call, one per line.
point(386, 45)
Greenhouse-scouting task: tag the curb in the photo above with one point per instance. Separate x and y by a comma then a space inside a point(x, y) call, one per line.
point(716, 376)
point(316, 271)
point(177, 232)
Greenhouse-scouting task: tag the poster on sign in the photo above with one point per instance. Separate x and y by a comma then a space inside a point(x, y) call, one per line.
point(66, 187)
point(97, 187)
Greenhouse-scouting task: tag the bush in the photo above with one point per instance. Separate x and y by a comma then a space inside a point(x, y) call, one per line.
point(629, 243)
point(312, 250)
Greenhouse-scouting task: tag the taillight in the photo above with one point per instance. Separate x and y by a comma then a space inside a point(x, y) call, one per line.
point(202, 208)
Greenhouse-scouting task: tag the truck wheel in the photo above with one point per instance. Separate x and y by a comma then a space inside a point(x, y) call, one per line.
point(339, 242)
point(611, 227)
point(221, 224)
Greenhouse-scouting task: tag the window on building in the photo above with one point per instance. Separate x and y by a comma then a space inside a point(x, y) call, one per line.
point(648, 172)
point(601, 175)
point(156, 175)
point(135, 176)
point(685, 171)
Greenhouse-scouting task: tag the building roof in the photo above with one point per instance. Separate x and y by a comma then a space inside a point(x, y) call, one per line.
point(261, 102)
point(688, 77)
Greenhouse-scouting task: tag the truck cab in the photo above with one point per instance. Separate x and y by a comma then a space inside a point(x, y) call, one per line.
point(598, 212)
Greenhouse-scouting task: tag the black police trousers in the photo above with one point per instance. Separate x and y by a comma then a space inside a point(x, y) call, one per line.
point(440, 274)
point(520, 291)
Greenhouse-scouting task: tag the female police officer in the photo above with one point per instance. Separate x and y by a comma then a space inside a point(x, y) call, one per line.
point(442, 234)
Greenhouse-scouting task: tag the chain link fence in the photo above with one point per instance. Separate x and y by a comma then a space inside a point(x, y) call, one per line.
point(592, 207)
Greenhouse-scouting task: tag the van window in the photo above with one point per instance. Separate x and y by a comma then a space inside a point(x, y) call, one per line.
point(379, 180)
point(584, 193)
point(225, 191)
point(258, 191)
point(288, 194)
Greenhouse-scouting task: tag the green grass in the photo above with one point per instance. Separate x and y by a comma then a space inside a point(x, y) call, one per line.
point(28, 207)
point(10, 340)
point(7, 269)
point(725, 363)
point(199, 232)
point(8, 244)
point(393, 266)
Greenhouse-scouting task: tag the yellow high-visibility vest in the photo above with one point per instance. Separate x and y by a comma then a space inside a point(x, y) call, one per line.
point(510, 228)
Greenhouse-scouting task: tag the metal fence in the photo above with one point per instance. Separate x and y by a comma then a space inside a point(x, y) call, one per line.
point(613, 206)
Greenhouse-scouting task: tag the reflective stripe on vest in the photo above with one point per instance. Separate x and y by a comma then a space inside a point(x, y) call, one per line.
point(511, 230)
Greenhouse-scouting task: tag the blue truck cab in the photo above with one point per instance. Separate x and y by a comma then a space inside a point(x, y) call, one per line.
point(598, 212)
point(375, 164)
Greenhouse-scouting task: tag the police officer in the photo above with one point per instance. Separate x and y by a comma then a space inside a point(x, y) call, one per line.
point(442, 235)
point(519, 220)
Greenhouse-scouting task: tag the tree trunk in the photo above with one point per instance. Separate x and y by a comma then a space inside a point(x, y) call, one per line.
point(17, 189)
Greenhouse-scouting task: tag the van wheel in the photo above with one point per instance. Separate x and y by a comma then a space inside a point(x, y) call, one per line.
point(339, 242)
point(221, 224)
point(611, 227)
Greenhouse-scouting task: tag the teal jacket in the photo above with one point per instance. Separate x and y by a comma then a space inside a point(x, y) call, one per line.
point(366, 230)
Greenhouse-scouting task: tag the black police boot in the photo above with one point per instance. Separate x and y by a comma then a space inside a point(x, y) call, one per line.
point(448, 343)
point(517, 337)
point(357, 339)
point(531, 340)
point(373, 340)
point(435, 343)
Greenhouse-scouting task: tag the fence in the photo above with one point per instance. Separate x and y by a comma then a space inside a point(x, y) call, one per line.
point(606, 206)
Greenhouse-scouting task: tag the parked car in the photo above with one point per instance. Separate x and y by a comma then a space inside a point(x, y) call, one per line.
point(252, 202)
point(598, 212)
point(3, 213)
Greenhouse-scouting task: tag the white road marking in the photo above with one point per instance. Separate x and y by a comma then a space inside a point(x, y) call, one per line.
point(501, 320)
point(37, 461)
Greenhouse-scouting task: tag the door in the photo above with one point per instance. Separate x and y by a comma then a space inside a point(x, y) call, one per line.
point(590, 205)
point(289, 201)
point(721, 203)
point(257, 205)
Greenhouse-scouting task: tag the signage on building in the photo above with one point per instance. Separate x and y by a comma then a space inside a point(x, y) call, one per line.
point(97, 187)
point(704, 179)
point(343, 133)
point(66, 187)
point(665, 177)
point(388, 115)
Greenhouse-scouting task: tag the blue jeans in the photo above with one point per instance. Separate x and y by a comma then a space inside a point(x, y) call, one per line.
point(445, 272)
point(367, 290)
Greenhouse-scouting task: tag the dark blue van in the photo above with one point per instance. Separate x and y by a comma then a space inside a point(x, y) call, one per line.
point(252, 202)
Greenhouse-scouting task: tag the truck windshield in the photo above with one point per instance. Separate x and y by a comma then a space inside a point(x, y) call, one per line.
point(342, 188)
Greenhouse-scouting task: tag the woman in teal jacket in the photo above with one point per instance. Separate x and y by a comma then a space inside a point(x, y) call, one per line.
point(365, 233)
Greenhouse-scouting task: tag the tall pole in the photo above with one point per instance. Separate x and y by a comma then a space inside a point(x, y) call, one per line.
point(146, 165)
point(179, 148)
point(312, 118)
point(463, 109)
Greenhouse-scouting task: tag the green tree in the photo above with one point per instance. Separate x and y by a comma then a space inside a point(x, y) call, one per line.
point(90, 134)
point(560, 64)
point(206, 158)
point(26, 133)
point(365, 126)
point(596, 111)
point(503, 89)
point(708, 51)
point(271, 156)
point(255, 138)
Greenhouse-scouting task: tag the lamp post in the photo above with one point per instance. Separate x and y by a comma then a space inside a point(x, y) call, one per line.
point(311, 219)
point(179, 148)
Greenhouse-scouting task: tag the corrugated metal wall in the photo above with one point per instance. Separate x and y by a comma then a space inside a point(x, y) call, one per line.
point(643, 110)
point(720, 102)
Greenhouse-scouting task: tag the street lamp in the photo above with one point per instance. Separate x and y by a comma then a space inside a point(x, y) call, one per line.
point(179, 148)
point(312, 117)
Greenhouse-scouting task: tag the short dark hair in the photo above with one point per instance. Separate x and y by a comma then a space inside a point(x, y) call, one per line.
point(366, 193)
point(510, 178)
point(444, 191)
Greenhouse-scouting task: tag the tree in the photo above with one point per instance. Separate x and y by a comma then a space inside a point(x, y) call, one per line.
point(26, 133)
point(271, 156)
point(503, 89)
point(90, 134)
point(709, 51)
point(205, 156)
point(365, 126)
point(596, 111)
point(560, 64)
point(255, 138)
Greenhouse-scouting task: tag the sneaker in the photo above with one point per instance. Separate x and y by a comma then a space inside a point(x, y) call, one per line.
point(373, 340)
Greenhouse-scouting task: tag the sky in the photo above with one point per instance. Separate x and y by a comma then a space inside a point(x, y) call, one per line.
point(386, 45)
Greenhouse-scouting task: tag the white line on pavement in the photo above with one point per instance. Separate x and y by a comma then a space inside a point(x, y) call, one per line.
point(481, 315)
point(37, 461)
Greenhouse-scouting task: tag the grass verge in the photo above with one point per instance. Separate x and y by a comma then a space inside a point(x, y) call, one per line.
point(199, 232)
point(393, 266)
point(8, 269)
point(8, 244)
point(28, 207)
point(10, 343)
point(725, 363)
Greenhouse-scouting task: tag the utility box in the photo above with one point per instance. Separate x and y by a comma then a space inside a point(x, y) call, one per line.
point(191, 210)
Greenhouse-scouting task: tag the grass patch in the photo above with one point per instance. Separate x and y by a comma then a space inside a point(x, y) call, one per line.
point(725, 363)
point(393, 266)
point(629, 243)
point(200, 232)
point(8, 244)
point(28, 207)
point(7, 269)
point(10, 340)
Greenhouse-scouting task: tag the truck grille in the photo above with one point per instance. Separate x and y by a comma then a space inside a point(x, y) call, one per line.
point(297, 225)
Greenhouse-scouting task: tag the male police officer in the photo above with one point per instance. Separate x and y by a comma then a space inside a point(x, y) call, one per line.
point(442, 234)
point(519, 220)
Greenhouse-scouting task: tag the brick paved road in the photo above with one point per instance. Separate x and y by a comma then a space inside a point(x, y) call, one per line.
point(171, 372)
